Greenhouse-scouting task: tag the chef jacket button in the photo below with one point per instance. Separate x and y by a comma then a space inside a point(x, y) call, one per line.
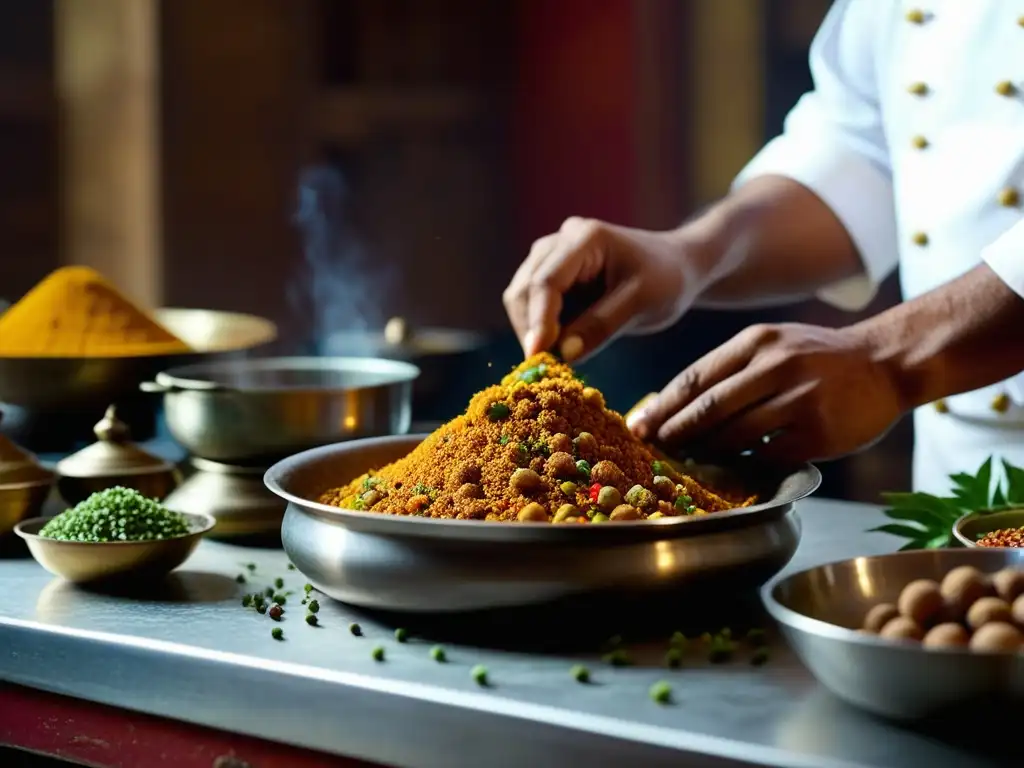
point(941, 406)
point(919, 142)
point(1009, 197)
point(918, 88)
point(1005, 88)
point(920, 238)
point(1001, 403)
point(915, 16)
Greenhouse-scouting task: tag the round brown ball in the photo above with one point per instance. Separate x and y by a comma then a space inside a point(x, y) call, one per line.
point(962, 587)
point(986, 611)
point(1017, 611)
point(947, 635)
point(879, 616)
point(997, 637)
point(921, 600)
point(902, 628)
point(1009, 584)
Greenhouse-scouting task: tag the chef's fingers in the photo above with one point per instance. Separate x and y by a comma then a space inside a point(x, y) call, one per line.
point(602, 322)
point(516, 297)
point(700, 419)
point(716, 366)
point(576, 256)
point(755, 428)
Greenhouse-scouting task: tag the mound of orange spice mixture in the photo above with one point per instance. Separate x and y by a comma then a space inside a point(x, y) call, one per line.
point(540, 446)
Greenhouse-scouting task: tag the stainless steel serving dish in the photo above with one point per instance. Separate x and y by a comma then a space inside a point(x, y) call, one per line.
point(820, 610)
point(428, 565)
point(253, 411)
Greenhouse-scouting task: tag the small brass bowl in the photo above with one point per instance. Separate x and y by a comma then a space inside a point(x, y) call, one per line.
point(19, 501)
point(84, 562)
point(971, 527)
point(152, 485)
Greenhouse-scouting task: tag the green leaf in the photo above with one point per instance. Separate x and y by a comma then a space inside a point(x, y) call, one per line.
point(940, 542)
point(922, 508)
point(914, 544)
point(903, 531)
point(1014, 483)
point(998, 498)
point(973, 492)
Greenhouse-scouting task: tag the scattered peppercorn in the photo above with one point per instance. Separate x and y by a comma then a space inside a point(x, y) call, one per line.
point(479, 674)
point(276, 611)
point(759, 657)
point(116, 514)
point(580, 674)
point(314, 606)
point(311, 619)
point(277, 633)
point(355, 629)
point(437, 654)
point(661, 692)
point(401, 634)
point(377, 653)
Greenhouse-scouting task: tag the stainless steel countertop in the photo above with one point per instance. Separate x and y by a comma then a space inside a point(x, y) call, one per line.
point(196, 655)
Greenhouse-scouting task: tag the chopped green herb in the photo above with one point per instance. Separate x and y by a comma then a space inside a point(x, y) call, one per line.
point(311, 619)
point(674, 658)
point(661, 692)
point(580, 674)
point(726, 633)
point(314, 606)
point(401, 634)
point(479, 674)
point(370, 483)
point(423, 490)
point(355, 629)
point(617, 658)
point(279, 583)
point(437, 654)
point(377, 653)
point(661, 468)
point(240, 578)
point(277, 633)
point(760, 657)
point(503, 440)
point(358, 504)
point(116, 514)
point(583, 467)
point(498, 411)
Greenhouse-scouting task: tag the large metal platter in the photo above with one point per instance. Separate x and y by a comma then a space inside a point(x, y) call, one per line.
point(423, 564)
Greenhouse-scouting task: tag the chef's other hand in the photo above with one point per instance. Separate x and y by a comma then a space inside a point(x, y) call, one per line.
point(789, 392)
point(649, 284)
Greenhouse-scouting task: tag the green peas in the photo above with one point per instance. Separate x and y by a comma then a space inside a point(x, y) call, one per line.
point(479, 675)
point(314, 606)
point(355, 629)
point(116, 514)
point(580, 674)
point(438, 654)
point(617, 658)
point(674, 658)
point(311, 619)
point(251, 567)
point(401, 634)
point(246, 601)
point(307, 588)
point(261, 608)
point(280, 598)
point(277, 633)
point(240, 578)
point(279, 583)
point(291, 566)
point(661, 692)
point(583, 467)
point(377, 653)
point(498, 411)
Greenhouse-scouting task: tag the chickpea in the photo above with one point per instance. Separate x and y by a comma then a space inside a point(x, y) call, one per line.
point(533, 513)
point(525, 481)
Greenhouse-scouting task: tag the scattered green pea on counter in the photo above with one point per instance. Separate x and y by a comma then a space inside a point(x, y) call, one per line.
point(116, 514)
point(479, 675)
point(378, 653)
point(240, 578)
point(279, 582)
point(314, 606)
point(580, 673)
point(617, 658)
point(311, 619)
point(277, 633)
point(437, 653)
point(401, 634)
point(674, 658)
point(355, 629)
point(661, 692)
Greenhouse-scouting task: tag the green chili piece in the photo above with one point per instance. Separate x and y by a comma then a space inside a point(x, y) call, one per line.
point(583, 467)
point(261, 608)
point(251, 567)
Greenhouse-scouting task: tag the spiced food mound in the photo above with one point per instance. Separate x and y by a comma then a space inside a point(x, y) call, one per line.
point(540, 446)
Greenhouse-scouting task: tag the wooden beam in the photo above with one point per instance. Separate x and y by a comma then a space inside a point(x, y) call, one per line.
point(108, 103)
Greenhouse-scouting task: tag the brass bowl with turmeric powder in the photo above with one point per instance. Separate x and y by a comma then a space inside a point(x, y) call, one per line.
point(536, 459)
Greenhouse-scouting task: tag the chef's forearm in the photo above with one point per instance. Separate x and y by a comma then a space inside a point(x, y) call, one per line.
point(771, 241)
point(962, 336)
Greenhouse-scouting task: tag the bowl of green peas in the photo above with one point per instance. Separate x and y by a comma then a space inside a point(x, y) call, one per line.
point(113, 535)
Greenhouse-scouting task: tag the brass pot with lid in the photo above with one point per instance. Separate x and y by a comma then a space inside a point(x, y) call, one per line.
point(113, 460)
point(24, 484)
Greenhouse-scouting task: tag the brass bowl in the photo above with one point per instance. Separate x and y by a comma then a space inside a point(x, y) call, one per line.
point(152, 485)
point(95, 382)
point(20, 501)
point(971, 527)
point(84, 562)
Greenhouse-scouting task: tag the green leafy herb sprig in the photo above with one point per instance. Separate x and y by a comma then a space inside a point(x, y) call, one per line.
point(926, 521)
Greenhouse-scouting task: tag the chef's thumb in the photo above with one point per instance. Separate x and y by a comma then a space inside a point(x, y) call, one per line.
point(600, 324)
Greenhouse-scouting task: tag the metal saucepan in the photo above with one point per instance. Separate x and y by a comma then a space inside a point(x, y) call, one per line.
point(257, 411)
point(424, 564)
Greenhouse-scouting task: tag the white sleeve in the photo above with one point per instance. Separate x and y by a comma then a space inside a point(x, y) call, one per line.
point(1005, 256)
point(833, 143)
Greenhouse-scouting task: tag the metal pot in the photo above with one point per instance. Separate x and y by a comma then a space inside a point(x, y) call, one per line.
point(256, 411)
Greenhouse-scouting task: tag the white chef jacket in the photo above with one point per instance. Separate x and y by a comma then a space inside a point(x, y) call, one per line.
point(914, 137)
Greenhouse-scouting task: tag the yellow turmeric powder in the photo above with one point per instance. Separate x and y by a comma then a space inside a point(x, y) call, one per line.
point(75, 312)
point(539, 446)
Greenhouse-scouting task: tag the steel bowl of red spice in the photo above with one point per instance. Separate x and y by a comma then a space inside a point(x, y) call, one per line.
point(1002, 528)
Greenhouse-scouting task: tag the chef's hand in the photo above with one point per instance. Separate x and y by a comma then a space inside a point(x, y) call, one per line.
point(649, 276)
point(790, 392)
